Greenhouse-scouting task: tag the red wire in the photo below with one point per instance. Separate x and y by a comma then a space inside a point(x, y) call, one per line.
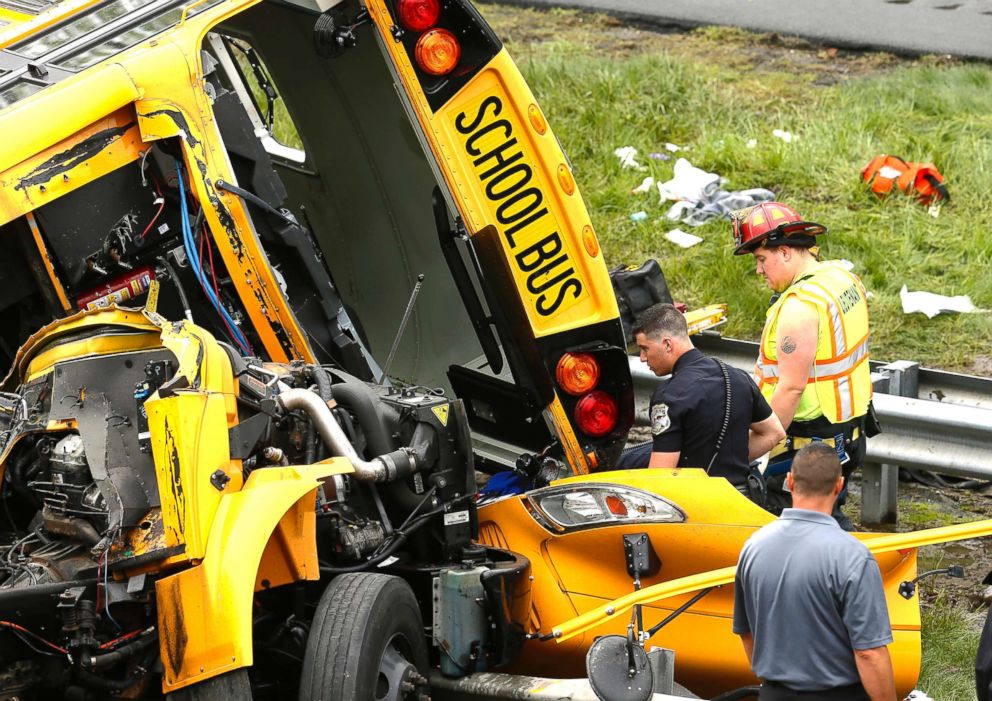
point(158, 191)
point(35, 636)
point(154, 219)
point(121, 639)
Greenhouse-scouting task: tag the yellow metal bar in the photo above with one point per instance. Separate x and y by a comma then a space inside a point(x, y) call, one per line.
point(47, 260)
point(706, 318)
point(877, 544)
point(36, 123)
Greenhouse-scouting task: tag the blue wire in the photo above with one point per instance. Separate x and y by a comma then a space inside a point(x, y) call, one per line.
point(194, 260)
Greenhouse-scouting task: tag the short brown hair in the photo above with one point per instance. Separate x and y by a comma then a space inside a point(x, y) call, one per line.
point(662, 319)
point(815, 470)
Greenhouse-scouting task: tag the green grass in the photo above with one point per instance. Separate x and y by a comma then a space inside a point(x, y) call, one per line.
point(603, 85)
point(951, 637)
point(914, 515)
point(719, 88)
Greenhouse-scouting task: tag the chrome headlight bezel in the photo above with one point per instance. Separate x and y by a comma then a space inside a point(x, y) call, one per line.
point(559, 508)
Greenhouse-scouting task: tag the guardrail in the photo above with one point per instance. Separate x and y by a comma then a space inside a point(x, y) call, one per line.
point(949, 433)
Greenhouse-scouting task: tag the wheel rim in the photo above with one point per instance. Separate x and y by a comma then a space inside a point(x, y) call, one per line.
point(398, 679)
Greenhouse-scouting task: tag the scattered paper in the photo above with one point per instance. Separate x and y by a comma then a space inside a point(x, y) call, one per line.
point(638, 216)
point(683, 239)
point(751, 143)
point(645, 186)
point(917, 695)
point(627, 156)
point(673, 148)
point(934, 210)
point(933, 304)
point(786, 136)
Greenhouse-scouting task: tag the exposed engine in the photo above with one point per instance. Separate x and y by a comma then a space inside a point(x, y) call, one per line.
point(82, 496)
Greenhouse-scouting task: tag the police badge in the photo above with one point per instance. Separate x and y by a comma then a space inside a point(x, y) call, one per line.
point(660, 420)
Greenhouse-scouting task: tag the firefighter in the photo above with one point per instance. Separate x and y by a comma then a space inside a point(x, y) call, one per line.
point(813, 360)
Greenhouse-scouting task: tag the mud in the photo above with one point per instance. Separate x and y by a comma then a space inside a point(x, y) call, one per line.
point(525, 29)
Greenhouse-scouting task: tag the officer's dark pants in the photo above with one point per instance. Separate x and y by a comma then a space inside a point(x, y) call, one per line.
point(778, 498)
point(771, 691)
point(634, 457)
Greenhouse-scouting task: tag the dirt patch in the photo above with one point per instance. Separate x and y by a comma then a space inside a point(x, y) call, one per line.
point(524, 30)
point(982, 365)
point(925, 506)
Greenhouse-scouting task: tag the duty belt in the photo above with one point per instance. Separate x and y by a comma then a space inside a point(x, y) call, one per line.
point(793, 443)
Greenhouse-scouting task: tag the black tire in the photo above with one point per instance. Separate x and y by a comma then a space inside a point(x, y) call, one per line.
point(366, 642)
point(226, 687)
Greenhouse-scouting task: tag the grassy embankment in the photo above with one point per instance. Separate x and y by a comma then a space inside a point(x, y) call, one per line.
point(604, 85)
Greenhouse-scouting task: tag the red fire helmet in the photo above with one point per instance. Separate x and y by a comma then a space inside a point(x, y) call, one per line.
point(773, 224)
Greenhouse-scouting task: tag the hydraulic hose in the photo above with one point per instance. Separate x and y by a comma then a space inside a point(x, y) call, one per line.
point(179, 286)
point(385, 468)
point(110, 659)
point(115, 686)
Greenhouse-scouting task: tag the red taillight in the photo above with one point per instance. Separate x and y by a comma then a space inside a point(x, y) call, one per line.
point(577, 373)
point(438, 52)
point(418, 15)
point(596, 414)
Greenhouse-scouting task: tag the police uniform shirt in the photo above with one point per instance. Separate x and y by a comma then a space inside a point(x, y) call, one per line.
point(809, 594)
point(687, 413)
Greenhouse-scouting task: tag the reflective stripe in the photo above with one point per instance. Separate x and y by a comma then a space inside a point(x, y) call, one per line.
point(836, 324)
point(843, 391)
point(822, 370)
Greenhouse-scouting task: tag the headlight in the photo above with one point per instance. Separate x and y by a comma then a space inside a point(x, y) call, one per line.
point(573, 507)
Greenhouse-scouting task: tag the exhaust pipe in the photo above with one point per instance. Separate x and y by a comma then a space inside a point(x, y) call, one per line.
point(385, 468)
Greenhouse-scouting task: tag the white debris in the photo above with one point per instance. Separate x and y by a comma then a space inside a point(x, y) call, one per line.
point(673, 148)
point(917, 695)
point(678, 210)
point(627, 156)
point(683, 239)
point(933, 304)
point(786, 136)
point(688, 183)
point(645, 186)
point(751, 143)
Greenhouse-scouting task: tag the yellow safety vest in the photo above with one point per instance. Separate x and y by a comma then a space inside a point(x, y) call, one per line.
point(839, 387)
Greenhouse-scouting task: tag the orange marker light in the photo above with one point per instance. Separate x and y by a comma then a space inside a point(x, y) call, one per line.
point(615, 505)
point(577, 373)
point(438, 52)
point(418, 15)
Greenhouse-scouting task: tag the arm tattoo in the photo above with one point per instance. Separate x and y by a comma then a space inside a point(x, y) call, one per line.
point(788, 345)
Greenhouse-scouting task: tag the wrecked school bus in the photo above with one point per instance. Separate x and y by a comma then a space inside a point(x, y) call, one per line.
point(250, 376)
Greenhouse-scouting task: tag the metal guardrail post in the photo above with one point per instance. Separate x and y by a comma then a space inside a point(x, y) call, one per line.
point(880, 482)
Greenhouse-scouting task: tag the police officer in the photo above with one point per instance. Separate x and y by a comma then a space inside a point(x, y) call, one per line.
point(813, 361)
point(707, 415)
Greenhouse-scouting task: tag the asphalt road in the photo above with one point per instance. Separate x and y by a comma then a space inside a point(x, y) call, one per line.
point(958, 27)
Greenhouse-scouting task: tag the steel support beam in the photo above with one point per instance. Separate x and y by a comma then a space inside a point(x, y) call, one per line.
point(880, 481)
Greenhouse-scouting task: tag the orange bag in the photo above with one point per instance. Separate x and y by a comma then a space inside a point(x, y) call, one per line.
point(920, 179)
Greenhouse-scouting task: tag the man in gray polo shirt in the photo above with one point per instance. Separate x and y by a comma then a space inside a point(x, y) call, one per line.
point(808, 600)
